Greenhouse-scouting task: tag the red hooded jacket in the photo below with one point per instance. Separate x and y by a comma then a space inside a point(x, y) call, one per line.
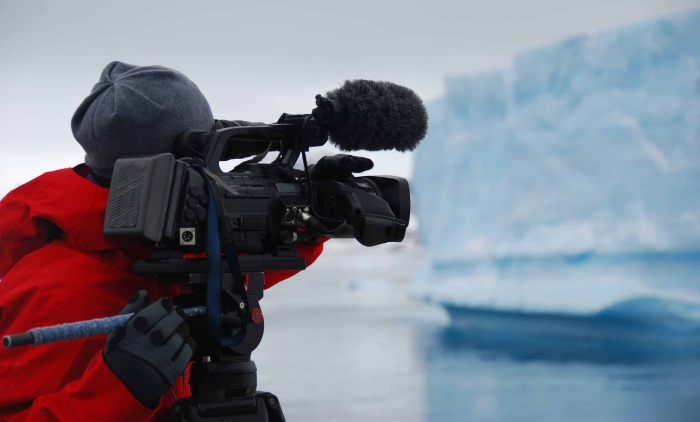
point(47, 279)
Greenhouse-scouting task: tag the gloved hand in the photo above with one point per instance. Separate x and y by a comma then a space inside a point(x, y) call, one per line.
point(151, 351)
point(339, 167)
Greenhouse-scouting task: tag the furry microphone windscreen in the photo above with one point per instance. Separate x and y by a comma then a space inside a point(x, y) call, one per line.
point(379, 116)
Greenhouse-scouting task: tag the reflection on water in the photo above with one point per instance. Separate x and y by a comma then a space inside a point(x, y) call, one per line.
point(493, 376)
point(597, 340)
point(338, 349)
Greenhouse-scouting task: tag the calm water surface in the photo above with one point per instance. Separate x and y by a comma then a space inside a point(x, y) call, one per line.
point(344, 342)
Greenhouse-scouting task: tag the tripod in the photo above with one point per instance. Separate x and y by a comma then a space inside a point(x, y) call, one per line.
point(224, 379)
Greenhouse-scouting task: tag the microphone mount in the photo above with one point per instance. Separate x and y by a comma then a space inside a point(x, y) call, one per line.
point(328, 112)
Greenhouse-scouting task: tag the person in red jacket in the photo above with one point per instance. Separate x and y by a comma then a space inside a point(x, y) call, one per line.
point(56, 267)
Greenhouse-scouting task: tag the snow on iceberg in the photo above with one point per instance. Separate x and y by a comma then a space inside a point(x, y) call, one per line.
point(570, 182)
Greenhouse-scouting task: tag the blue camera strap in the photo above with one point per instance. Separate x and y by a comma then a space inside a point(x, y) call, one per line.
point(214, 280)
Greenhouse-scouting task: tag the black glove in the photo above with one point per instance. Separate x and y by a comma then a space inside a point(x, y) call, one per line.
point(151, 351)
point(339, 167)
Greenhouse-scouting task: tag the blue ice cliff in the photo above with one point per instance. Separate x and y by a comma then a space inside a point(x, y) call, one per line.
point(570, 182)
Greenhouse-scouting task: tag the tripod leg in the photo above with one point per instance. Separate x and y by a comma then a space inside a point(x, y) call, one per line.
point(272, 403)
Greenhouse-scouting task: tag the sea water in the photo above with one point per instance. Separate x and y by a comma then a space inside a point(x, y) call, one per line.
point(345, 342)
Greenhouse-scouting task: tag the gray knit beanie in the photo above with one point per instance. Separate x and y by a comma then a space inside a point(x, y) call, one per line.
point(137, 110)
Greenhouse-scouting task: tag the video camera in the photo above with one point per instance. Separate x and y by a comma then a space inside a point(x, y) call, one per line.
point(219, 232)
point(264, 208)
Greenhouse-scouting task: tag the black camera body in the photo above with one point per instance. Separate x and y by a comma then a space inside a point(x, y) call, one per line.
point(162, 200)
point(264, 208)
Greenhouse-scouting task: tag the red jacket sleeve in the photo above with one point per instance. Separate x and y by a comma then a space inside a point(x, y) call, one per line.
point(308, 251)
point(65, 380)
point(97, 396)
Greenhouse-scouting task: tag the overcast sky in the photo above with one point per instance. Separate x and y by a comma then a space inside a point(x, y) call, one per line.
point(256, 60)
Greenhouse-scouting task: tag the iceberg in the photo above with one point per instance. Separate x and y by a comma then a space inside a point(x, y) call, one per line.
point(569, 183)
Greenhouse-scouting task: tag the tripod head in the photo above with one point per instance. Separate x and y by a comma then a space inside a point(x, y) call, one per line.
point(223, 378)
